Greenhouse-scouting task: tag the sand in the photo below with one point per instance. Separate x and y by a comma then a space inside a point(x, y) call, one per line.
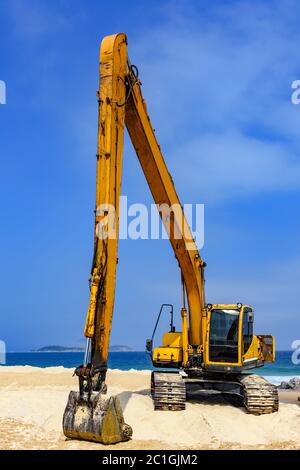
point(32, 402)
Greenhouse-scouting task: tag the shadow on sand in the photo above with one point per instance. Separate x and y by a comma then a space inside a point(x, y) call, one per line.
point(203, 398)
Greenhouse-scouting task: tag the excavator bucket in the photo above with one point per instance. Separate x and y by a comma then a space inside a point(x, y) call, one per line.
point(96, 419)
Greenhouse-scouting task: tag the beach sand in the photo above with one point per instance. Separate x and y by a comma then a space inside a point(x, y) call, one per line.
point(32, 402)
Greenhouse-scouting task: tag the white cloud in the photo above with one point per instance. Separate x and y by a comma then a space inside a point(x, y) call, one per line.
point(231, 164)
point(218, 90)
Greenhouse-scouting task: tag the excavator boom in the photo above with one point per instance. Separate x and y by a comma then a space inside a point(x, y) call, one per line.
point(164, 194)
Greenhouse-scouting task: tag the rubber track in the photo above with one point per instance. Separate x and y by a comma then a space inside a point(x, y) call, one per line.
point(168, 391)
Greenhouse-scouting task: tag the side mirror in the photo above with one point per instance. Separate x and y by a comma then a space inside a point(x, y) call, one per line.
point(149, 345)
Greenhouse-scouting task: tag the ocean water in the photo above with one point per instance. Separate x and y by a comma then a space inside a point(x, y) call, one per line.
point(282, 369)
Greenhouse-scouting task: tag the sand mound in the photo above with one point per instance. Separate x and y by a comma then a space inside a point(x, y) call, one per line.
point(32, 402)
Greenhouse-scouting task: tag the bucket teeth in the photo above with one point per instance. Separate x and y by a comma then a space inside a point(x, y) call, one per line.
point(96, 420)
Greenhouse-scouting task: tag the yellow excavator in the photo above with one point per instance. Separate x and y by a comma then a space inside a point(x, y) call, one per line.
point(216, 347)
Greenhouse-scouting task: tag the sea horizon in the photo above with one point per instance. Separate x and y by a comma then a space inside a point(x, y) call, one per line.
point(131, 350)
point(282, 369)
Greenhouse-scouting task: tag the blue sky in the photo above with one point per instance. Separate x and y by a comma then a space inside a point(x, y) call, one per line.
point(217, 79)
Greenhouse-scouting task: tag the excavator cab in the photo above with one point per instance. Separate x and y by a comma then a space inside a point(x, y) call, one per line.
point(231, 345)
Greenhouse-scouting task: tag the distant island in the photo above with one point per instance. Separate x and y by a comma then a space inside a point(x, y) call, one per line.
point(120, 348)
point(55, 348)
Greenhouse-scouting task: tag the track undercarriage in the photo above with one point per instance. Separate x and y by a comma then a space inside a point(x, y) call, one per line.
point(170, 390)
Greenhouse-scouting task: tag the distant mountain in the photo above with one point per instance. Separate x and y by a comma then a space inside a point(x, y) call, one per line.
point(54, 348)
point(120, 348)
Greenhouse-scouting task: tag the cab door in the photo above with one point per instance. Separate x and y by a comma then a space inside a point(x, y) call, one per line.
point(247, 329)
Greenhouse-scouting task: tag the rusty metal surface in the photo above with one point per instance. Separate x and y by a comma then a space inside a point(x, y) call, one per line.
point(98, 420)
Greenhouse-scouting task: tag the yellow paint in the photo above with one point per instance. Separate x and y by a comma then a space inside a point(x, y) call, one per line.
point(185, 344)
point(167, 355)
point(121, 103)
point(174, 340)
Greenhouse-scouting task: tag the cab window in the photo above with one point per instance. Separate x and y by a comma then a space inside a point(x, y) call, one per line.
point(247, 329)
point(223, 337)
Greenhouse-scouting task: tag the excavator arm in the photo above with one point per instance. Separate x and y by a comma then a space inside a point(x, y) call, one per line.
point(112, 92)
point(121, 100)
